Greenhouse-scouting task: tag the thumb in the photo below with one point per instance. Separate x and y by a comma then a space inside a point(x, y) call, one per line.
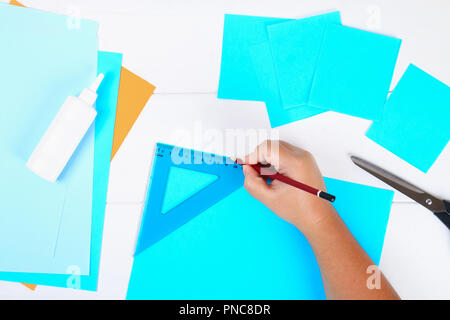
point(255, 184)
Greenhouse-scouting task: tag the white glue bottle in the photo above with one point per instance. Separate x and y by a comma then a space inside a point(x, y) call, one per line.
point(64, 134)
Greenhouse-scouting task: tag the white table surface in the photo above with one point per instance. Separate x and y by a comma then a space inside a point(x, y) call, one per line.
point(176, 45)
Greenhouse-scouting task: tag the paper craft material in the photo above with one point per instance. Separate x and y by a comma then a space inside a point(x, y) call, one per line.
point(237, 78)
point(16, 3)
point(194, 181)
point(265, 73)
point(414, 125)
point(238, 249)
point(134, 93)
point(130, 104)
point(354, 71)
point(33, 210)
point(295, 48)
point(109, 64)
point(30, 286)
point(177, 193)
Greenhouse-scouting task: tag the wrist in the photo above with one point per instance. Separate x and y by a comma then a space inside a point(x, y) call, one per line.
point(323, 217)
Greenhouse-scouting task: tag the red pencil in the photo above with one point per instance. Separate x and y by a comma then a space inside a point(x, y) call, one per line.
point(292, 182)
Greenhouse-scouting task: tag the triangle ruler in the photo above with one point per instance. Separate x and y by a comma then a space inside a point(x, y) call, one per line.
point(183, 184)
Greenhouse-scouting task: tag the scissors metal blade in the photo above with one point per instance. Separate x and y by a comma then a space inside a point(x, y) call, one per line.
point(428, 201)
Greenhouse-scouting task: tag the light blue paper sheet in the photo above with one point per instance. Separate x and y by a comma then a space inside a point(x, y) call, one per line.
point(415, 122)
point(43, 62)
point(295, 48)
point(239, 249)
point(261, 58)
point(109, 64)
point(237, 78)
point(354, 71)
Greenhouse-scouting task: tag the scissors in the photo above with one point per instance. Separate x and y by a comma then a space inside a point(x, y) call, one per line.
point(440, 208)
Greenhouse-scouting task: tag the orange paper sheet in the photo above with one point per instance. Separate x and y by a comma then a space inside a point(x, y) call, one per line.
point(30, 286)
point(16, 3)
point(134, 93)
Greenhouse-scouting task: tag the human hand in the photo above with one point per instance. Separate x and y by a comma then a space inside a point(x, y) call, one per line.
point(302, 209)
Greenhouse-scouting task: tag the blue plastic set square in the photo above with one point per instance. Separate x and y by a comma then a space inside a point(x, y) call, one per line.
point(183, 184)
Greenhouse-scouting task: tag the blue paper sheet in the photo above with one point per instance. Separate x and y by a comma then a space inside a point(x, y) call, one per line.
point(415, 122)
point(354, 71)
point(192, 182)
point(109, 64)
point(44, 61)
point(239, 249)
point(295, 48)
point(261, 57)
point(237, 78)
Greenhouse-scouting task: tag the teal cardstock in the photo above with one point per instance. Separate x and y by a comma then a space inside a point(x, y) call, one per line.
point(354, 71)
point(239, 249)
point(237, 78)
point(295, 48)
point(264, 70)
point(415, 124)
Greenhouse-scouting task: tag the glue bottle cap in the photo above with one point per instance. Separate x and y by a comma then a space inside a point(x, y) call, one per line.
point(89, 95)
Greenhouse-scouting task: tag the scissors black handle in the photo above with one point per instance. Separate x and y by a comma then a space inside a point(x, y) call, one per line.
point(445, 215)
